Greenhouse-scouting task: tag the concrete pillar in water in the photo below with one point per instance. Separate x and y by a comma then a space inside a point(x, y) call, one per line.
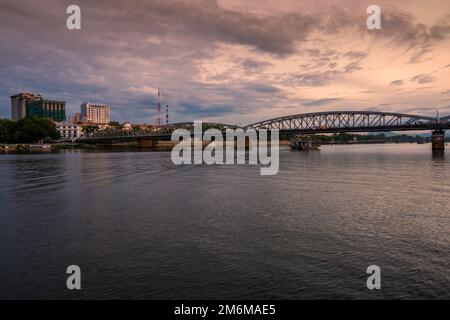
point(146, 143)
point(438, 139)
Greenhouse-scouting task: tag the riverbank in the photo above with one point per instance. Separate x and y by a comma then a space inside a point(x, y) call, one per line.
point(25, 148)
point(41, 148)
point(58, 147)
point(157, 147)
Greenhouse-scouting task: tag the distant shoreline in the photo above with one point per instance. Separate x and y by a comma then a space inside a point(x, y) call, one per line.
point(31, 148)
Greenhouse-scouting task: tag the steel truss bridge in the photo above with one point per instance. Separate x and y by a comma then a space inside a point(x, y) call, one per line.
point(351, 121)
point(163, 132)
point(307, 123)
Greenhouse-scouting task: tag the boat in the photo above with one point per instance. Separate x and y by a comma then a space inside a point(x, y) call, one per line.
point(304, 143)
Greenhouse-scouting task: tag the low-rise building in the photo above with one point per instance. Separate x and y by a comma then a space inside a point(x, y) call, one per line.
point(69, 131)
point(127, 126)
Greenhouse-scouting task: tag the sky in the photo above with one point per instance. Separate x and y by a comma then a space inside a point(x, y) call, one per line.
point(229, 61)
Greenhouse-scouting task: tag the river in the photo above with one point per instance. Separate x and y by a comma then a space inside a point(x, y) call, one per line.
point(140, 227)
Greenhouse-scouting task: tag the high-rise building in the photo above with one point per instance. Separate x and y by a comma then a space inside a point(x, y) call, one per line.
point(95, 113)
point(19, 103)
point(54, 110)
point(77, 118)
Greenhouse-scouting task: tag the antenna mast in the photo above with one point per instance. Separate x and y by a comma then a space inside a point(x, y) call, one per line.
point(167, 114)
point(158, 120)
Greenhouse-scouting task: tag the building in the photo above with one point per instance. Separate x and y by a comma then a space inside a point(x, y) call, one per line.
point(127, 126)
point(19, 103)
point(95, 113)
point(69, 131)
point(77, 118)
point(51, 109)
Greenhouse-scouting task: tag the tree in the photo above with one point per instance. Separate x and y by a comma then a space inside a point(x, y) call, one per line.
point(90, 129)
point(5, 130)
point(116, 125)
point(28, 130)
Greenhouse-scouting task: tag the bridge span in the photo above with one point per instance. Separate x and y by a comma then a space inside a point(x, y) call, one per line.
point(349, 121)
point(306, 123)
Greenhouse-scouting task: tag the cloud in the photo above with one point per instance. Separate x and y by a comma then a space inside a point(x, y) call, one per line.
point(397, 82)
point(351, 67)
point(262, 88)
point(255, 65)
point(423, 78)
point(320, 102)
point(199, 109)
point(403, 29)
point(320, 78)
point(357, 55)
point(212, 59)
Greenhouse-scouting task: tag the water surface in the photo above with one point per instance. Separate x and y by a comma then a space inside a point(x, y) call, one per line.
point(140, 227)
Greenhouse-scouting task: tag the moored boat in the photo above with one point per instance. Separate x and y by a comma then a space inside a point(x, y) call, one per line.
point(304, 143)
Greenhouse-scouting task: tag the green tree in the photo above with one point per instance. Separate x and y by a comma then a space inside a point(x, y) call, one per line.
point(116, 125)
point(5, 130)
point(33, 130)
point(90, 129)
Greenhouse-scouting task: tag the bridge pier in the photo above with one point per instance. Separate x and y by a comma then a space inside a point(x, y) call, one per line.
point(438, 139)
point(146, 143)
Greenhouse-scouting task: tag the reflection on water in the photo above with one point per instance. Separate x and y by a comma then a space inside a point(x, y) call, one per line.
point(438, 155)
point(140, 227)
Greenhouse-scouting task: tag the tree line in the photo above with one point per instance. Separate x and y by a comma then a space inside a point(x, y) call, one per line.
point(28, 130)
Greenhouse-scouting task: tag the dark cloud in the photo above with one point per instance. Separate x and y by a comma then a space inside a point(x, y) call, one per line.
point(320, 102)
point(253, 65)
point(423, 78)
point(277, 34)
point(357, 55)
point(194, 109)
point(403, 29)
point(397, 82)
point(261, 88)
point(351, 67)
point(126, 49)
point(440, 32)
